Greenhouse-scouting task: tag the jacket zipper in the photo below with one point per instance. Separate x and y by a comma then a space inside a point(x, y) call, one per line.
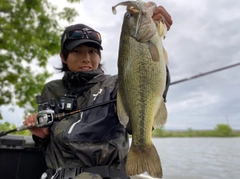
point(73, 125)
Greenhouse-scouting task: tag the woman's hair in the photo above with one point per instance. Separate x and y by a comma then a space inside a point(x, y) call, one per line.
point(65, 54)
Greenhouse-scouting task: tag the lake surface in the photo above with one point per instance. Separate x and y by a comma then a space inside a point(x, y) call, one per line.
point(199, 158)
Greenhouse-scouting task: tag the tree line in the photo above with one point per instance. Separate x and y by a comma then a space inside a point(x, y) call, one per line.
point(221, 130)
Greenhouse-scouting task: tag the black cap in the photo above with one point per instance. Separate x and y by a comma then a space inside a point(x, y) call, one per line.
point(70, 44)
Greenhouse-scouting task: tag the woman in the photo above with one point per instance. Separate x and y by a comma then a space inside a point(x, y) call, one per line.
point(92, 143)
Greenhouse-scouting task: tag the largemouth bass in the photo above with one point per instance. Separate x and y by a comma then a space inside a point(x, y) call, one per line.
point(142, 80)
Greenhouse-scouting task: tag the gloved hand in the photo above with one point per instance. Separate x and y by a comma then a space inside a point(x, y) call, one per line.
point(40, 132)
point(160, 14)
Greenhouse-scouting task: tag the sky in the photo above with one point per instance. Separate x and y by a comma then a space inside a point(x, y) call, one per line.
point(204, 36)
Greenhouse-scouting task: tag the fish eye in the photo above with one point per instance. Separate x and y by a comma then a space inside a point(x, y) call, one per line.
point(128, 14)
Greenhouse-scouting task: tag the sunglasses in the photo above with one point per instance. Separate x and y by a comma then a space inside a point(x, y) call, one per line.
point(84, 34)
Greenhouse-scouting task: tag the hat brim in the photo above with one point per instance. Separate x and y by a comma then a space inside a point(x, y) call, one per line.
point(71, 45)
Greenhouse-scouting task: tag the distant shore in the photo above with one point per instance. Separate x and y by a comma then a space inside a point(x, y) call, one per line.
point(221, 130)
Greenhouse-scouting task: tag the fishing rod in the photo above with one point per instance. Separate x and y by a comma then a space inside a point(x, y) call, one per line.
point(203, 74)
point(47, 117)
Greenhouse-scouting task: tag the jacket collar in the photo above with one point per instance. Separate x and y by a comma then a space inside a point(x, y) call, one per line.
point(77, 79)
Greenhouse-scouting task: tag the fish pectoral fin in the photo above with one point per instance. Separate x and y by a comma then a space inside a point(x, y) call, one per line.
point(161, 116)
point(121, 111)
point(154, 51)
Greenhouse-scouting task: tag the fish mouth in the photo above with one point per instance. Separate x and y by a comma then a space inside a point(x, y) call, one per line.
point(144, 29)
point(137, 10)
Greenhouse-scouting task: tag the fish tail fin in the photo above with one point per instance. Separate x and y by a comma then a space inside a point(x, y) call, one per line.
point(140, 161)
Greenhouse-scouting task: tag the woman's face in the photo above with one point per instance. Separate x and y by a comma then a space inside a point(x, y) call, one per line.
point(82, 58)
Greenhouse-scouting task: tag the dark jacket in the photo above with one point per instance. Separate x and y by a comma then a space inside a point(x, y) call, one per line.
point(91, 138)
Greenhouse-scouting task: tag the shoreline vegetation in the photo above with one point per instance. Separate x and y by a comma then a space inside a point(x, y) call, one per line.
point(221, 130)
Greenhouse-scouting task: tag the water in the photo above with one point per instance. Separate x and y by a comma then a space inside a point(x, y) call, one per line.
point(199, 158)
